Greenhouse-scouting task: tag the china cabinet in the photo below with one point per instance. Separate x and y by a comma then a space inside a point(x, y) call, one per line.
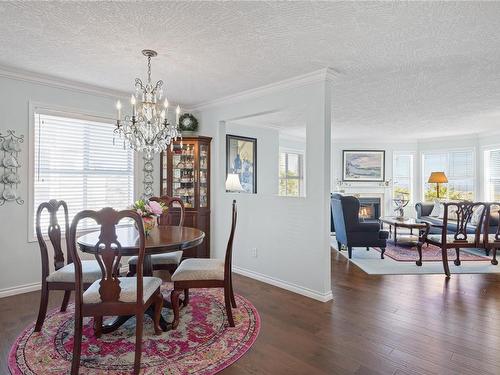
point(185, 173)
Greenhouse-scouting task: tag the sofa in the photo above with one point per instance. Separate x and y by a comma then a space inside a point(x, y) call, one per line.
point(350, 230)
point(424, 210)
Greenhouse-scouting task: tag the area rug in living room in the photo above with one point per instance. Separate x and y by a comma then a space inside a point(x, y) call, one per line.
point(203, 343)
point(430, 253)
point(370, 262)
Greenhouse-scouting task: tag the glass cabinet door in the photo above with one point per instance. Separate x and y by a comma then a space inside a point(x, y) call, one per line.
point(204, 177)
point(183, 173)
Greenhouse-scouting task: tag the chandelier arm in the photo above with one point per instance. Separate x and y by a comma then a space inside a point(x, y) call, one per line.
point(138, 83)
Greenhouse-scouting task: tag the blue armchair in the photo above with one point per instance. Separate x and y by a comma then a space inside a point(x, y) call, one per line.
point(353, 232)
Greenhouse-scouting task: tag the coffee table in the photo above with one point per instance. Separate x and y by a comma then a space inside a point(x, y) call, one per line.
point(417, 240)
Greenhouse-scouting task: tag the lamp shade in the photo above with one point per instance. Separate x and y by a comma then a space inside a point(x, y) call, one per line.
point(233, 182)
point(438, 177)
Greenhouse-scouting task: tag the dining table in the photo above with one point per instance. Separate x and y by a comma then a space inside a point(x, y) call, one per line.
point(161, 239)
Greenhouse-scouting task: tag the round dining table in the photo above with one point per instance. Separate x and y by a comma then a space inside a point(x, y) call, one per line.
point(161, 239)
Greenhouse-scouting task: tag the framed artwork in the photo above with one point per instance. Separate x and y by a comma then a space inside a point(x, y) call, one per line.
point(241, 159)
point(363, 165)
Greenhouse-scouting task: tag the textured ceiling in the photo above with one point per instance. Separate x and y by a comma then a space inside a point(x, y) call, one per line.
point(407, 69)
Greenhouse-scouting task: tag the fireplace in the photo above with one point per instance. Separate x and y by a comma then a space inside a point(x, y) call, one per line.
point(369, 208)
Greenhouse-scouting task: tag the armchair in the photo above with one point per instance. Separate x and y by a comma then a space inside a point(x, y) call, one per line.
point(350, 230)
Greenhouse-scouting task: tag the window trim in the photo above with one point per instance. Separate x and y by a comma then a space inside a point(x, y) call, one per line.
point(302, 166)
point(485, 173)
point(36, 107)
point(448, 151)
point(412, 178)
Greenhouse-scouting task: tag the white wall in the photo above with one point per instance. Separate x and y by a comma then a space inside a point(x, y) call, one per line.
point(20, 268)
point(291, 235)
point(371, 187)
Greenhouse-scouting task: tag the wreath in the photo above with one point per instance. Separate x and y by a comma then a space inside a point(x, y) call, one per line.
point(187, 122)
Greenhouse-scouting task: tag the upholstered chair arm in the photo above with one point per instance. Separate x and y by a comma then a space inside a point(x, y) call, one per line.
point(365, 227)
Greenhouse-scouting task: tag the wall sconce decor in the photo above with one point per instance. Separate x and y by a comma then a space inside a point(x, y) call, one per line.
point(10, 147)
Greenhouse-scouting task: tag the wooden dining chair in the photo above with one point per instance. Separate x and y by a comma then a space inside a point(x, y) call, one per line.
point(113, 295)
point(63, 277)
point(459, 238)
point(165, 261)
point(492, 241)
point(206, 273)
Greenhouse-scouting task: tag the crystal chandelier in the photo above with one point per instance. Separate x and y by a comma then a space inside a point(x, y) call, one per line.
point(147, 130)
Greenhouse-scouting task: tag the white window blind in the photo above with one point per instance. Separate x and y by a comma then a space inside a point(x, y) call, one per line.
point(77, 160)
point(402, 175)
point(291, 174)
point(458, 167)
point(492, 175)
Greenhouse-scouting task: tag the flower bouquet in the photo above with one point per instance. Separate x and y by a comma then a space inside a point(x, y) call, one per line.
point(149, 211)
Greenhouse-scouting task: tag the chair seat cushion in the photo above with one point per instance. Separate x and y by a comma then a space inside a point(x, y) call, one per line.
point(128, 291)
point(90, 273)
point(166, 258)
point(199, 269)
point(450, 238)
point(491, 238)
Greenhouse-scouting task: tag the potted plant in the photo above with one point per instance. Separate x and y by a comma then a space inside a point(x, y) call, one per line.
point(149, 211)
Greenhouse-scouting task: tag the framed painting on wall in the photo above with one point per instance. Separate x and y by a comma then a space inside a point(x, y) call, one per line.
point(363, 165)
point(241, 159)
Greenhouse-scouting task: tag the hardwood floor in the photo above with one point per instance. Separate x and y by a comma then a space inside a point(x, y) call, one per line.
point(418, 324)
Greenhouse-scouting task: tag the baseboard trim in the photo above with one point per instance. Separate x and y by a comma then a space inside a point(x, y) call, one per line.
point(26, 288)
point(322, 297)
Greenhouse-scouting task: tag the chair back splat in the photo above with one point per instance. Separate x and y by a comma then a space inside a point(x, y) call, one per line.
point(169, 201)
point(108, 252)
point(54, 234)
point(463, 212)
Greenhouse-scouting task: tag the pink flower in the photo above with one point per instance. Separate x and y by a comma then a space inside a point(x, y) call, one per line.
point(155, 208)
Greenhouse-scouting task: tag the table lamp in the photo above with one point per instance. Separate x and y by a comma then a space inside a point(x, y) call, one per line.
point(233, 183)
point(437, 178)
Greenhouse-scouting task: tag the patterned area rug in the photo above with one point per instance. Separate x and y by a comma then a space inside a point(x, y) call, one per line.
point(203, 343)
point(432, 253)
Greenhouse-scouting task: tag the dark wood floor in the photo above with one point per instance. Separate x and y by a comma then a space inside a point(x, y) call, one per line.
point(417, 324)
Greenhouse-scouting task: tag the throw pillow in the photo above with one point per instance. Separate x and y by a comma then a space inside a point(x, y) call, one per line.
point(476, 215)
point(452, 212)
point(436, 210)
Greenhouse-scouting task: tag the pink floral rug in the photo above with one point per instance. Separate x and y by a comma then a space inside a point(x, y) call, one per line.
point(203, 343)
point(432, 253)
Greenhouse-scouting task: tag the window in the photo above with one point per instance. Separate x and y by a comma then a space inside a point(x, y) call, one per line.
point(291, 174)
point(459, 169)
point(492, 175)
point(78, 161)
point(402, 175)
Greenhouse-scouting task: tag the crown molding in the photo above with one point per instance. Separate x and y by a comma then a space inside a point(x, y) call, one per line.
point(322, 75)
point(61, 83)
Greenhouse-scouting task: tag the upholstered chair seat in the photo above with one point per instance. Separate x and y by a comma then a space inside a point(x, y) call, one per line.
point(128, 291)
point(199, 269)
point(90, 273)
point(492, 238)
point(166, 258)
point(450, 238)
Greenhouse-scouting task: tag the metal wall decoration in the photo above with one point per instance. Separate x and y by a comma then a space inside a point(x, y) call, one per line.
point(10, 148)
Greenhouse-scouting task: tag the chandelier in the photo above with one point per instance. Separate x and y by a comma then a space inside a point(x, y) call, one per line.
point(147, 129)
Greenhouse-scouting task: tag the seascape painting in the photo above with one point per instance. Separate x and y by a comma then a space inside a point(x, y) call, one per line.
point(363, 165)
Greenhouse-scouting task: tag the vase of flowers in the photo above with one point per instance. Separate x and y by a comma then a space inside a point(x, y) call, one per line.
point(149, 211)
